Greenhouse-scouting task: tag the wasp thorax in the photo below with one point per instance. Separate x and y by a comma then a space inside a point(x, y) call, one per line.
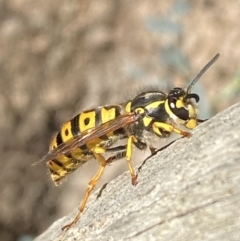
point(181, 107)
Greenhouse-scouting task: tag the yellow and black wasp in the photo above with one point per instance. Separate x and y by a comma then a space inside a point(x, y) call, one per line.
point(95, 133)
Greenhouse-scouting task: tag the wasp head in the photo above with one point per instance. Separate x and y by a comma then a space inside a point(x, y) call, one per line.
point(180, 104)
point(181, 107)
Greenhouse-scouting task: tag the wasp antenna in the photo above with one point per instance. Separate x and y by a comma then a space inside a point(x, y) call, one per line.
point(203, 70)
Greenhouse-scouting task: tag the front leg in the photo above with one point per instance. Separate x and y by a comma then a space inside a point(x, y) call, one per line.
point(131, 139)
point(158, 126)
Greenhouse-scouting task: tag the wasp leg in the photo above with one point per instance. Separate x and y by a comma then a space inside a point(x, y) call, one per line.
point(91, 185)
point(168, 128)
point(131, 140)
point(119, 153)
point(126, 151)
point(116, 149)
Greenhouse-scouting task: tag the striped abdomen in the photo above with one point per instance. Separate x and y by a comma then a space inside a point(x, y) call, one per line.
point(67, 163)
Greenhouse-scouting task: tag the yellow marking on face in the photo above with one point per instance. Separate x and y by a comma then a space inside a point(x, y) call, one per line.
point(108, 114)
point(87, 120)
point(180, 103)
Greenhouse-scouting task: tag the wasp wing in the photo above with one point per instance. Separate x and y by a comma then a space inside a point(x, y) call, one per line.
point(91, 134)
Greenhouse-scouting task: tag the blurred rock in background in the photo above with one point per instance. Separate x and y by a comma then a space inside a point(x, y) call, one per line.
point(59, 58)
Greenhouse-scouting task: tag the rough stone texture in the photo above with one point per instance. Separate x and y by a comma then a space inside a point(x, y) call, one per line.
point(189, 191)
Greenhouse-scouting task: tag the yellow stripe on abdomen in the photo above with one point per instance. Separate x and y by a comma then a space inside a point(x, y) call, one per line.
point(108, 114)
point(87, 120)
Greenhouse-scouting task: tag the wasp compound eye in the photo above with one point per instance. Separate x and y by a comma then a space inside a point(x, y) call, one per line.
point(178, 109)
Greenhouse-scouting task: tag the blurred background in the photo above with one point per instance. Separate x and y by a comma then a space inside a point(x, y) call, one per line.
point(59, 58)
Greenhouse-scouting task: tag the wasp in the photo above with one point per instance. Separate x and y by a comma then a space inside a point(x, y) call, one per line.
point(94, 134)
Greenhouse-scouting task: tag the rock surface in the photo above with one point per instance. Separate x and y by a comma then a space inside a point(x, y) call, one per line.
point(189, 191)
